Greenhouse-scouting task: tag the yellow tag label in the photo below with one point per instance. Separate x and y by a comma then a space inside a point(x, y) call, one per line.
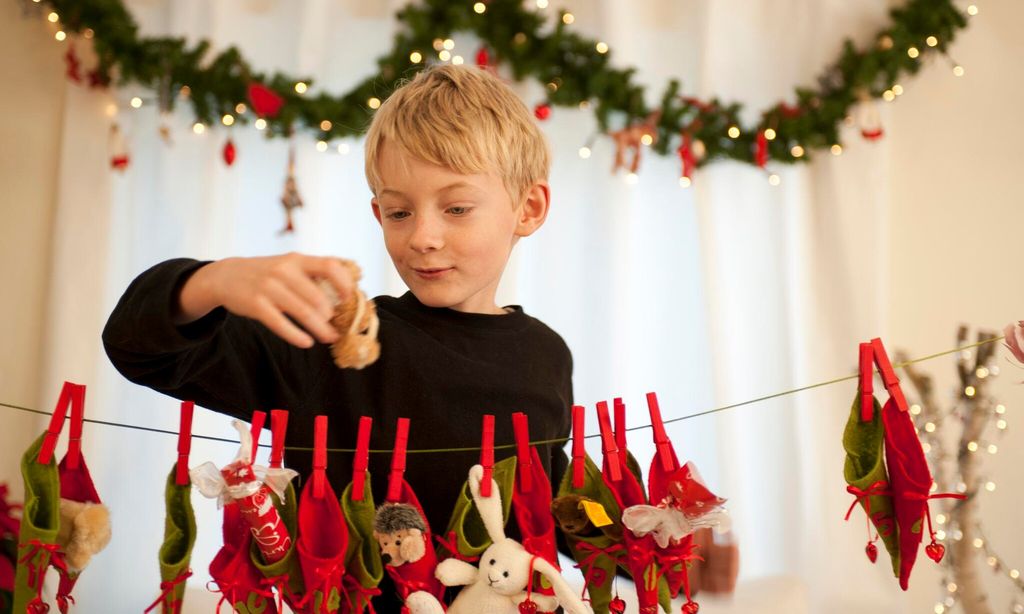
point(595, 512)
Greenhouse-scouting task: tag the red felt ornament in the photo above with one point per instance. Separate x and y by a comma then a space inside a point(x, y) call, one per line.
point(229, 152)
point(483, 59)
point(617, 606)
point(869, 120)
point(872, 551)
point(74, 66)
point(761, 155)
point(687, 157)
point(542, 111)
point(264, 101)
point(528, 607)
point(690, 607)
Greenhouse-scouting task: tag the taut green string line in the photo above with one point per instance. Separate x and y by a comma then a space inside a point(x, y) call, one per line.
point(539, 442)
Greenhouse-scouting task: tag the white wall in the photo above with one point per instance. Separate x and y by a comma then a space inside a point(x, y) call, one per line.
point(956, 157)
point(32, 70)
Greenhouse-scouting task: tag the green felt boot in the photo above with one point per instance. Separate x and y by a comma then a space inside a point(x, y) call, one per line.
point(38, 535)
point(471, 537)
point(362, 558)
point(865, 467)
point(176, 550)
point(284, 575)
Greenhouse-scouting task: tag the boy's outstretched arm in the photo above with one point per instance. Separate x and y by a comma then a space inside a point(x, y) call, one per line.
point(215, 332)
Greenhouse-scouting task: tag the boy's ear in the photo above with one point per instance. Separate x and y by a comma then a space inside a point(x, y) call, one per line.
point(376, 209)
point(534, 209)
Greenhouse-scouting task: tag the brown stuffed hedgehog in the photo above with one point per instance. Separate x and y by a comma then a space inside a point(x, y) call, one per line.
point(399, 530)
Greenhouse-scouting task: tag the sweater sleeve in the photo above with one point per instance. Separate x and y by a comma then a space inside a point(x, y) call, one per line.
point(227, 363)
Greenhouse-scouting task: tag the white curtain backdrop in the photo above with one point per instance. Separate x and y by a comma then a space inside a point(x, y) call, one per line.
point(723, 292)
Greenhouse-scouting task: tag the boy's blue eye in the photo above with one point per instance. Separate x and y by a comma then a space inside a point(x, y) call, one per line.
point(397, 215)
point(458, 210)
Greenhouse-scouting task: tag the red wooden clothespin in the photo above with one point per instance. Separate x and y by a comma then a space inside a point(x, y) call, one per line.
point(620, 423)
point(60, 411)
point(319, 456)
point(74, 455)
point(361, 461)
point(579, 451)
point(611, 451)
point(184, 443)
point(278, 430)
point(661, 441)
point(524, 462)
point(398, 460)
point(867, 385)
point(259, 418)
point(892, 383)
point(487, 455)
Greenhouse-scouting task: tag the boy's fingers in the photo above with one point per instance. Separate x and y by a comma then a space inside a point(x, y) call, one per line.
point(306, 314)
point(281, 326)
point(336, 273)
point(308, 291)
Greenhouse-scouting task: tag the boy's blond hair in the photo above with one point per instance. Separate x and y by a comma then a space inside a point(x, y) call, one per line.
point(465, 119)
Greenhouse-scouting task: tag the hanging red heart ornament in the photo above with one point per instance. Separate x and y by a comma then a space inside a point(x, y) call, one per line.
point(935, 551)
point(542, 111)
point(872, 551)
point(483, 59)
point(690, 607)
point(229, 152)
point(617, 606)
point(528, 607)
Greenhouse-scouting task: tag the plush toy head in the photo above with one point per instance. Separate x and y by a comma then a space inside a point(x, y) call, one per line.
point(573, 520)
point(357, 324)
point(399, 529)
point(84, 531)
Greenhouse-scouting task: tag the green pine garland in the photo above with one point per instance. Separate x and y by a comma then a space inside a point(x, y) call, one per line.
point(575, 72)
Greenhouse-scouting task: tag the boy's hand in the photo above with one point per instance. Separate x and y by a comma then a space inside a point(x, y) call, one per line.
point(267, 289)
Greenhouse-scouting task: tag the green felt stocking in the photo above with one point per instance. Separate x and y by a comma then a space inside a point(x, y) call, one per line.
point(288, 566)
point(362, 558)
point(179, 537)
point(39, 524)
point(865, 467)
point(471, 537)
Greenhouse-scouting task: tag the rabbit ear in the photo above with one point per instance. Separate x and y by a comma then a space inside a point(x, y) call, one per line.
point(489, 507)
point(566, 596)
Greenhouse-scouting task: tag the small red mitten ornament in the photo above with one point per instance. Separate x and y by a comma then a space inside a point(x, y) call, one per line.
point(617, 606)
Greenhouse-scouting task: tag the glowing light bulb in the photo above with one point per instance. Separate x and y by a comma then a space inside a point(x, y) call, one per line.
point(542, 4)
point(972, 446)
point(568, 19)
point(913, 52)
point(260, 123)
point(60, 35)
point(978, 542)
point(301, 87)
point(415, 57)
point(958, 70)
point(929, 427)
point(584, 152)
point(837, 149)
point(982, 372)
point(240, 108)
point(53, 17)
point(774, 179)
point(1001, 425)
point(480, 8)
point(992, 448)
point(969, 391)
point(915, 409)
point(931, 41)
point(632, 178)
point(602, 47)
point(769, 134)
point(136, 102)
point(990, 486)
point(373, 103)
point(227, 120)
point(343, 148)
point(797, 151)
point(321, 146)
point(445, 55)
point(198, 128)
point(326, 125)
point(646, 139)
point(457, 60)
point(888, 95)
point(734, 132)
point(897, 89)
point(448, 44)
point(972, 10)
point(684, 182)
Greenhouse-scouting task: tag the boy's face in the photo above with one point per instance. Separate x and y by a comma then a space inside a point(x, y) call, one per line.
point(449, 234)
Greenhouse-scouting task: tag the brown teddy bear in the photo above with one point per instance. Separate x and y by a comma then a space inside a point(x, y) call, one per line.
point(568, 512)
point(356, 321)
point(84, 530)
point(399, 529)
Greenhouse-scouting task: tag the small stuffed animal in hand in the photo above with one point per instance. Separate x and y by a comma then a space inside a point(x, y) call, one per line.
point(573, 520)
point(357, 324)
point(503, 583)
point(399, 529)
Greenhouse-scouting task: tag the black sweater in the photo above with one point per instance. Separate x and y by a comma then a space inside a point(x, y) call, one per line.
point(441, 368)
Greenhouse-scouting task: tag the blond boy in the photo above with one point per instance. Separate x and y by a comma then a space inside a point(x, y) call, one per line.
point(458, 171)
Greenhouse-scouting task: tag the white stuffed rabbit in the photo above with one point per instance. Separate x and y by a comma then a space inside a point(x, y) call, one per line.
point(499, 585)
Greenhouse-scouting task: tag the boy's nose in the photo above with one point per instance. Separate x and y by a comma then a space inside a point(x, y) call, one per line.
point(426, 236)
